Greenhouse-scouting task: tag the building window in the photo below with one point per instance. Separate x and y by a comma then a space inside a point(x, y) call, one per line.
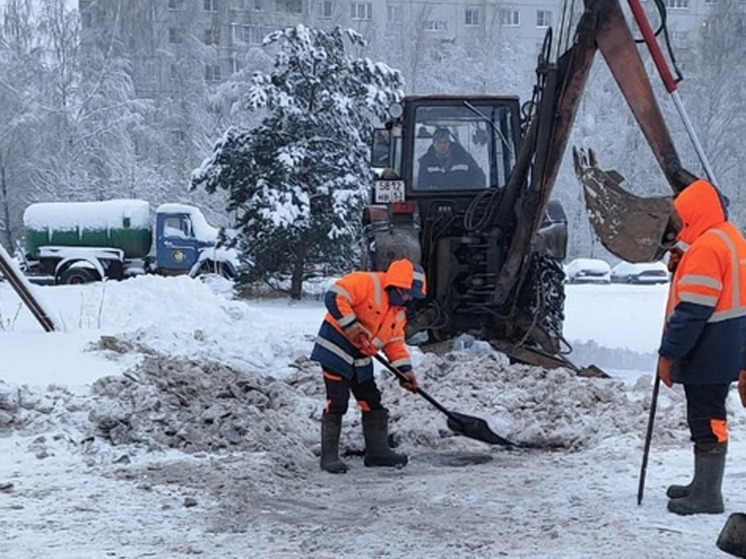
point(258, 5)
point(212, 36)
point(510, 18)
point(677, 4)
point(433, 25)
point(212, 72)
point(393, 14)
point(174, 37)
point(211, 5)
point(543, 18)
point(325, 9)
point(680, 37)
point(248, 34)
point(175, 4)
point(255, 34)
point(287, 6)
point(361, 11)
point(236, 35)
point(471, 17)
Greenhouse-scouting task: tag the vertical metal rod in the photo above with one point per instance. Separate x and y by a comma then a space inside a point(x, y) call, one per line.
point(648, 437)
point(693, 136)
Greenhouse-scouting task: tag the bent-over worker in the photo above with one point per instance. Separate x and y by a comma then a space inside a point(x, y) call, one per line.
point(366, 313)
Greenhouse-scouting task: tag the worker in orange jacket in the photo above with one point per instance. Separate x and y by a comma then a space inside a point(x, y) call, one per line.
point(703, 344)
point(366, 313)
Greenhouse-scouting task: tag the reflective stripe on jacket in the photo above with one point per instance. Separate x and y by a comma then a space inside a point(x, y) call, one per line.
point(361, 298)
point(705, 328)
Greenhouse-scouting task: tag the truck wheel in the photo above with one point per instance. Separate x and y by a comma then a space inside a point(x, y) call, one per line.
point(77, 276)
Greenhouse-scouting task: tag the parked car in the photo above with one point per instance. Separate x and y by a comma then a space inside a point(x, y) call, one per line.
point(588, 270)
point(645, 272)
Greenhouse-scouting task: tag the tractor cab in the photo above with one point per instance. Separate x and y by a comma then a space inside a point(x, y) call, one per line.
point(445, 144)
point(440, 160)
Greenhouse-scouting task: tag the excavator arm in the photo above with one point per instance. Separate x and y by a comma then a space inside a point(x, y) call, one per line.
point(492, 251)
point(630, 227)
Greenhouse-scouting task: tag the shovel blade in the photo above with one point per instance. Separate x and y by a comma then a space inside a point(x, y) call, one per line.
point(474, 428)
point(629, 226)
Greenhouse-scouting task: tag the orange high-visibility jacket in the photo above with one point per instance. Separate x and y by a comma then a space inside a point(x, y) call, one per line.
point(361, 298)
point(706, 312)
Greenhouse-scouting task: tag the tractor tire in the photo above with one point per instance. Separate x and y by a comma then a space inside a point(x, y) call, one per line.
point(544, 293)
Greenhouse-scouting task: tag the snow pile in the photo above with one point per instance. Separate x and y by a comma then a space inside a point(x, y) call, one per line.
point(27, 409)
point(535, 407)
point(199, 406)
point(191, 405)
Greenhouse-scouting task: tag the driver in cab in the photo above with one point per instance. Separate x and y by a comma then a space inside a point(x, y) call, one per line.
point(447, 165)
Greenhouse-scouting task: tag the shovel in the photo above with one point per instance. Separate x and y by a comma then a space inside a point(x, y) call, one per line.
point(459, 423)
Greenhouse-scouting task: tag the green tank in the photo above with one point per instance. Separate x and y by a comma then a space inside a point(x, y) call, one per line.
point(123, 224)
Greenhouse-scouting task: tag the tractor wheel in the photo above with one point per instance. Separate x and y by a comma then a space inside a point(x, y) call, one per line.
point(544, 293)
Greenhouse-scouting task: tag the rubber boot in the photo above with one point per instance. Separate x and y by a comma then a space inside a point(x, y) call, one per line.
point(331, 427)
point(705, 495)
point(679, 491)
point(376, 433)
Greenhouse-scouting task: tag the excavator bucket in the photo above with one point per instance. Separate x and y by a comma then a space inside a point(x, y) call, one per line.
point(630, 227)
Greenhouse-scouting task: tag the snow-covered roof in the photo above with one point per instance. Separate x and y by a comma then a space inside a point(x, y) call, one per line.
point(106, 214)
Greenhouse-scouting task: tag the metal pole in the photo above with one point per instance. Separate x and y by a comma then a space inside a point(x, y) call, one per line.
point(648, 437)
point(25, 290)
point(693, 136)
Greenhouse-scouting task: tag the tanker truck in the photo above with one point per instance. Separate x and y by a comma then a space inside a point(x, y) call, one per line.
point(82, 242)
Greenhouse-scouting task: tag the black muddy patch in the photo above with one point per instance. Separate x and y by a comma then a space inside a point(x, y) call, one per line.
point(452, 459)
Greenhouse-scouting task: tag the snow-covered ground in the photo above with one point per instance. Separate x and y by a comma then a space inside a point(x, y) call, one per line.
point(165, 419)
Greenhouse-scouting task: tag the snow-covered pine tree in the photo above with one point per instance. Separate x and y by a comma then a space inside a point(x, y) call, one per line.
point(298, 180)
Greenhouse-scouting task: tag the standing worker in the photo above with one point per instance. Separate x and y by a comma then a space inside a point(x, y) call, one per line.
point(704, 337)
point(366, 313)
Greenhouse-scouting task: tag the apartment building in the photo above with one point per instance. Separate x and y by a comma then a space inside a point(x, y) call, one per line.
point(167, 39)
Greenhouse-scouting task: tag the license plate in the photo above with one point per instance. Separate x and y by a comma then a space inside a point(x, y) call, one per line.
point(388, 191)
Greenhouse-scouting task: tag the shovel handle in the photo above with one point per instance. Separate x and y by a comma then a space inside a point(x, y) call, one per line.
point(461, 424)
point(402, 377)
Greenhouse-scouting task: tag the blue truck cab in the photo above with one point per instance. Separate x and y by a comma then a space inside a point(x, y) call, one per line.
point(186, 243)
